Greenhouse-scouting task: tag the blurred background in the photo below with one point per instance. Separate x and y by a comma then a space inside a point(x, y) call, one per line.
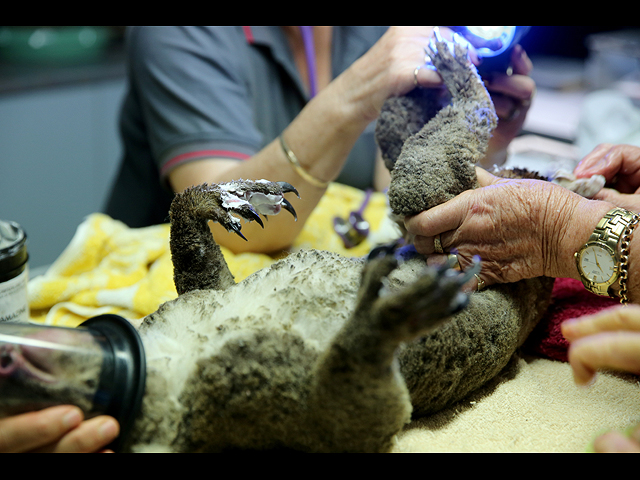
point(61, 89)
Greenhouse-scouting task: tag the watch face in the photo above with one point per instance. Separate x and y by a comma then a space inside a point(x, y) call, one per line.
point(597, 264)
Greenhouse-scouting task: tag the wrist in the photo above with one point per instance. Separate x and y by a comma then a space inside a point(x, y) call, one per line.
point(579, 223)
point(323, 134)
point(605, 262)
point(359, 93)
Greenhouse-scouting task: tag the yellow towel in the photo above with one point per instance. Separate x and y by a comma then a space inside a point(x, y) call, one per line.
point(110, 268)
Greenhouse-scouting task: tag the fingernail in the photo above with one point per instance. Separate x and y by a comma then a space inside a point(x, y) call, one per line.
point(588, 384)
point(594, 168)
point(567, 328)
point(109, 429)
point(72, 418)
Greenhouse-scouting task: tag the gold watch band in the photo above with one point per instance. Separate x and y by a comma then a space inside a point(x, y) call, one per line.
point(614, 230)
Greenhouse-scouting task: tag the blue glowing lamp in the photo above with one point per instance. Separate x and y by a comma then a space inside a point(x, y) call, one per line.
point(494, 45)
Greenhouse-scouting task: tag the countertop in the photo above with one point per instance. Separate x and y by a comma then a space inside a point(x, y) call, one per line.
point(22, 77)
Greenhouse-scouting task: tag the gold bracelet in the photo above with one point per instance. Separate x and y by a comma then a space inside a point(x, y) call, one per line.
point(293, 160)
point(625, 240)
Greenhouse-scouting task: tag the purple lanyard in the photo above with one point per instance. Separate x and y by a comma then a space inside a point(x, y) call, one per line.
point(309, 51)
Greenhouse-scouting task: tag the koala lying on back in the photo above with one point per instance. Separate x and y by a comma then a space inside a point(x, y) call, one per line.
point(320, 352)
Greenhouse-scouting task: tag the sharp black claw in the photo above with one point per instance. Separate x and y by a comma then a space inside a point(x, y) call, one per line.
point(384, 250)
point(255, 217)
point(236, 229)
point(287, 206)
point(287, 187)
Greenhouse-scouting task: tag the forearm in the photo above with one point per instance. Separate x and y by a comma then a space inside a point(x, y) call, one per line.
point(321, 137)
point(324, 133)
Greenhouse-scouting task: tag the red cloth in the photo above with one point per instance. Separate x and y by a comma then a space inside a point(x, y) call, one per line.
point(569, 300)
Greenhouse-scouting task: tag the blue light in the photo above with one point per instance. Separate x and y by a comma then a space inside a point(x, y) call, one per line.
point(504, 34)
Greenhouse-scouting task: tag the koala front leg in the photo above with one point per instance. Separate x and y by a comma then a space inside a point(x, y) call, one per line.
point(198, 262)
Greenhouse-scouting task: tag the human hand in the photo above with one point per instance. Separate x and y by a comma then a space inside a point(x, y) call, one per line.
point(519, 228)
point(607, 340)
point(512, 96)
point(388, 68)
point(616, 442)
point(620, 165)
point(56, 429)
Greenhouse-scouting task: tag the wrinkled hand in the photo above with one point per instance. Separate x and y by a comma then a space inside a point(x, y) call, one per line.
point(620, 165)
point(56, 429)
point(387, 70)
point(519, 228)
point(607, 340)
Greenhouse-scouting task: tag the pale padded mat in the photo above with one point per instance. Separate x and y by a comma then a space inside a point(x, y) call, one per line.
point(534, 406)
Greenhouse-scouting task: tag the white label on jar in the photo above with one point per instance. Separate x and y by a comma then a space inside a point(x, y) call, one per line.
point(14, 306)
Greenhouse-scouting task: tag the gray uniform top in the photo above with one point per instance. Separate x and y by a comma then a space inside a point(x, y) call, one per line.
point(202, 92)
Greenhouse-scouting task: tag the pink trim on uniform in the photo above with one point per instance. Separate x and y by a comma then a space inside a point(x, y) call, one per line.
point(203, 153)
point(248, 34)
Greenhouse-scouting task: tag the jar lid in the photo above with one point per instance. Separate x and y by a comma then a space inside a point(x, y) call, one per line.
point(13, 246)
point(127, 374)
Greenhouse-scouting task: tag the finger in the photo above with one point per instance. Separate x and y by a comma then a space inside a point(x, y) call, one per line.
point(90, 436)
point(623, 168)
point(625, 318)
point(610, 350)
point(424, 245)
point(609, 160)
point(23, 433)
point(437, 260)
point(426, 77)
point(614, 442)
point(624, 200)
point(506, 107)
point(594, 162)
point(519, 87)
point(485, 178)
point(634, 433)
point(477, 283)
point(441, 218)
point(520, 61)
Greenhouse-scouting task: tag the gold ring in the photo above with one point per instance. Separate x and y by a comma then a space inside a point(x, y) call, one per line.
point(415, 75)
point(437, 245)
point(481, 283)
point(453, 261)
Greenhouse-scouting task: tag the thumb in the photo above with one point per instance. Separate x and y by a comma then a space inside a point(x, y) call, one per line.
point(628, 201)
point(485, 178)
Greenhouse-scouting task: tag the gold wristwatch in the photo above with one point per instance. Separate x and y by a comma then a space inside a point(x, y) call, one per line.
point(603, 260)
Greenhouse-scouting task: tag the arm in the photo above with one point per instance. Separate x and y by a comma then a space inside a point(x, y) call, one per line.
point(520, 229)
point(56, 429)
point(321, 135)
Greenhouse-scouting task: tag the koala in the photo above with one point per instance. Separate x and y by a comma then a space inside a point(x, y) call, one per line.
point(320, 352)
